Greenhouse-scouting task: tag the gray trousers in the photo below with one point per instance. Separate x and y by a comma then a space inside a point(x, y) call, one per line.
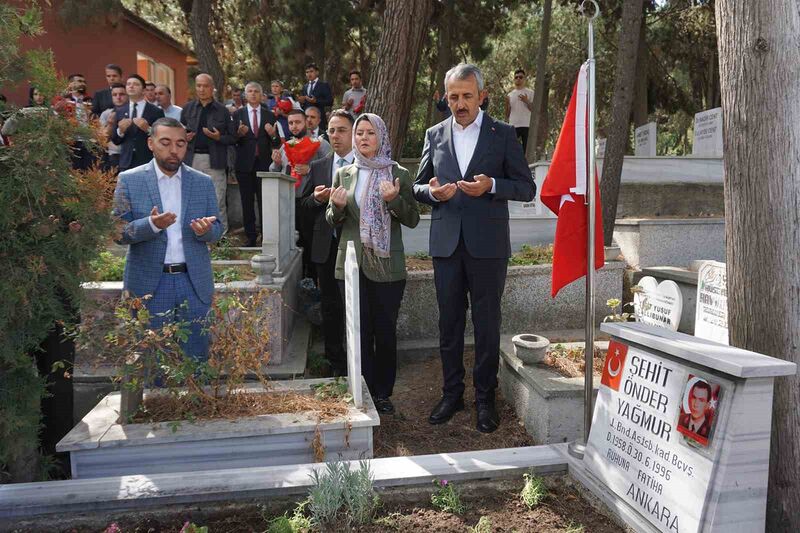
point(202, 163)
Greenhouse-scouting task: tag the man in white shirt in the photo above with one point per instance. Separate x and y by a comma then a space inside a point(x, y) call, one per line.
point(469, 187)
point(519, 104)
point(164, 99)
point(108, 120)
point(354, 98)
point(168, 234)
point(313, 118)
point(324, 244)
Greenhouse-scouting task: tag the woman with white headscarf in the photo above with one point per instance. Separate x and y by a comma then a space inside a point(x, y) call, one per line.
point(370, 199)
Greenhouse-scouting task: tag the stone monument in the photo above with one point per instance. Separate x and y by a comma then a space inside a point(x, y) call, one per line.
point(711, 313)
point(708, 133)
point(658, 304)
point(353, 324)
point(645, 140)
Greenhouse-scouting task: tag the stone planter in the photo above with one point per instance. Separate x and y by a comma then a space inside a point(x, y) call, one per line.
point(100, 447)
point(530, 349)
point(549, 405)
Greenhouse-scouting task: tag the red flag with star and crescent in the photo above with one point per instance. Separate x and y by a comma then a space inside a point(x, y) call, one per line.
point(564, 192)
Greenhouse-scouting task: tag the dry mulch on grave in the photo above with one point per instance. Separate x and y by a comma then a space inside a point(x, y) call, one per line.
point(569, 362)
point(416, 392)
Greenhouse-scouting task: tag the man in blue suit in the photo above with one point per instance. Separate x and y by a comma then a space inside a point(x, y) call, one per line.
point(316, 93)
point(170, 211)
point(471, 166)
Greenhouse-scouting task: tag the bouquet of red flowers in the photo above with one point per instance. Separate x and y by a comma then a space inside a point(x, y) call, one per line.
point(300, 152)
point(360, 107)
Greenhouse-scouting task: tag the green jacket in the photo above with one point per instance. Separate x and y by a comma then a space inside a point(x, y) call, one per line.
point(403, 210)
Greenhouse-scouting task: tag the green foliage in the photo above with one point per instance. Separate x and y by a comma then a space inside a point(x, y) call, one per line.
point(343, 497)
point(484, 525)
point(534, 490)
point(298, 522)
point(447, 498)
point(190, 527)
point(615, 306)
point(107, 267)
point(335, 389)
point(226, 275)
point(42, 255)
point(223, 250)
point(532, 255)
point(421, 255)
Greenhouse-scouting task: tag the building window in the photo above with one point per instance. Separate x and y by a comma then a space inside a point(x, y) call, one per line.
point(152, 70)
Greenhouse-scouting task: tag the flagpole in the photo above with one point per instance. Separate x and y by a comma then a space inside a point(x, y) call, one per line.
point(578, 448)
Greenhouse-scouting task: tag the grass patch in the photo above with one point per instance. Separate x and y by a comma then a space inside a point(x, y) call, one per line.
point(532, 255)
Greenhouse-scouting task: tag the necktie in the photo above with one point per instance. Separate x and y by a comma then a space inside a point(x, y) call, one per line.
point(133, 115)
point(342, 162)
point(311, 88)
point(255, 128)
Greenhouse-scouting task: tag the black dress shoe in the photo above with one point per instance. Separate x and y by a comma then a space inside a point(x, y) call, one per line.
point(488, 420)
point(445, 410)
point(384, 406)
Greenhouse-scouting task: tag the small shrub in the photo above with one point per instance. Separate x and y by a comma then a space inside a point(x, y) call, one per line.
point(107, 267)
point(484, 525)
point(615, 306)
point(534, 490)
point(532, 255)
point(342, 496)
point(223, 250)
point(226, 275)
point(297, 523)
point(420, 255)
point(447, 498)
point(337, 389)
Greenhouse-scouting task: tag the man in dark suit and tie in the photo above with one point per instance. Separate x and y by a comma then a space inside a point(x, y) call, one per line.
point(133, 124)
point(256, 136)
point(102, 99)
point(325, 240)
point(471, 166)
point(316, 93)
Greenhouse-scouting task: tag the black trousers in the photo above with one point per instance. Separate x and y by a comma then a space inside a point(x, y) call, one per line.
point(304, 225)
point(484, 280)
point(332, 311)
point(522, 136)
point(249, 193)
point(380, 305)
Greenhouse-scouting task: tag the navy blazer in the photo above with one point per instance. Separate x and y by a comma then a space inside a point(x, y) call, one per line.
point(322, 92)
point(136, 194)
point(133, 145)
point(246, 145)
point(101, 101)
point(320, 173)
point(483, 221)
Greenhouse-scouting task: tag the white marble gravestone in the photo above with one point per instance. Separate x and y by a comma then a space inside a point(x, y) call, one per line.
point(708, 133)
point(353, 324)
point(711, 314)
point(645, 140)
point(680, 436)
point(658, 304)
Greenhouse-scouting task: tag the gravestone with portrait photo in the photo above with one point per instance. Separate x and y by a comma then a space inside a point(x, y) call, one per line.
point(680, 433)
point(658, 304)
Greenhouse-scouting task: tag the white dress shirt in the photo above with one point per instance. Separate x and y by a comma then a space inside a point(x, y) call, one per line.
point(173, 111)
point(465, 139)
point(361, 184)
point(250, 118)
point(170, 190)
point(139, 110)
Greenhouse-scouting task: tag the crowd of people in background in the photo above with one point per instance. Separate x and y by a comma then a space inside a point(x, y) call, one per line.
point(348, 189)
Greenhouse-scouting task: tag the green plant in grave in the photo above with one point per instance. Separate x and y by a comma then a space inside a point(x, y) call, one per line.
point(226, 275)
point(341, 497)
point(447, 498)
point(332, 389)
point(615, 306)
point(484, 525)
point(532, 255)
point(534, 490)
point(298, 522)
point(223, 250)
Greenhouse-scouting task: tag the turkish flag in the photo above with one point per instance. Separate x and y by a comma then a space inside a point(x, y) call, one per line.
point(564, 192)
point(615, 363)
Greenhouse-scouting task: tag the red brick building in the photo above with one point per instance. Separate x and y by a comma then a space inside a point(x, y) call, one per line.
point(122, 38)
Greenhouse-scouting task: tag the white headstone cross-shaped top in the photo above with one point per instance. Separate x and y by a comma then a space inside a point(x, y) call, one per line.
point(645, 140)
point(711, 316)
point(353, 324)
point(658, 304)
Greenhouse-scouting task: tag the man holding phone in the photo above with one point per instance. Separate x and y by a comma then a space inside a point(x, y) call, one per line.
point(210, 132)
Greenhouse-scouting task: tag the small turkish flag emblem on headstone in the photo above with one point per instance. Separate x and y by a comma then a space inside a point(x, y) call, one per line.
point(615, 363)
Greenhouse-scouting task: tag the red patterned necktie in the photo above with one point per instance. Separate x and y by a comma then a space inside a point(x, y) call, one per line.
point(254, 126)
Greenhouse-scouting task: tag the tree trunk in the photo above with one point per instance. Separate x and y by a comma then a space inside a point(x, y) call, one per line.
point(539, 87)
point(640, 108)
point(445, 50)
point(391, 87)
point(759, 55)
point(204, 48)
point(543, 118)
point(618, 131)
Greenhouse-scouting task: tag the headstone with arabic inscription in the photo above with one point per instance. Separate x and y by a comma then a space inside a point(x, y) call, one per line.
point(711, 314)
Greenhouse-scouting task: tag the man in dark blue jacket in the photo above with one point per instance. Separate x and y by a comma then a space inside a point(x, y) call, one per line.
point(316, 93)
point(133, 124)
point(471, 166)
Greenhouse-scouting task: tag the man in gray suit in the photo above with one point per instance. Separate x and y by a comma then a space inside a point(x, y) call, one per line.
point(170, 214)
point(471, 166)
